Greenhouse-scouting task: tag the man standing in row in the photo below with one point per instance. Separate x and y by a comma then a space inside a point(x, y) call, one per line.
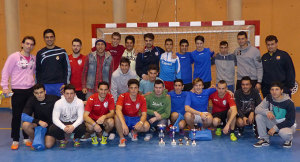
point(248, 62)
point(98, 66)
point(277, 66)
point(225, 65)
point(116, 50)
point(151, 55)
point(19, 68)
point(77, 63)
point(52, 65)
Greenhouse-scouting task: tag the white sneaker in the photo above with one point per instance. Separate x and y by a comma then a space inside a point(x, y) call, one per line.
point(133, 136)
point(111, 136)
point(122, 142)
point(148, 137)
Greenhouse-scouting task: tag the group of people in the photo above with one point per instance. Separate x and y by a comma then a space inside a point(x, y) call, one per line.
point(115, 88)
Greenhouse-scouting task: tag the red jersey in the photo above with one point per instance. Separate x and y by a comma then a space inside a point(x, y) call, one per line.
point(98, 108)
point(116, 53)
point(221, 104)
point(130, 108)
point(76, 71)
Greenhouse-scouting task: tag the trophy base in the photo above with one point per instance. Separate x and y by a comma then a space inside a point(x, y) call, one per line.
point(187, 143)
point(194, 143)
point(161, 143)
point(173, 143)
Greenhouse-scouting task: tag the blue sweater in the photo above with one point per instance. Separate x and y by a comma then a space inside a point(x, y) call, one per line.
point(178, 101)
point(199, 102)
point(202, 66)
point(186, 62)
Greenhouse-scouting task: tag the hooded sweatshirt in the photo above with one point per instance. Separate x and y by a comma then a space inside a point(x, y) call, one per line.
point(119, 82)
point(283, 110)
point(161, 105)
point(68, 112)
point(249, 63)
point(19, 71)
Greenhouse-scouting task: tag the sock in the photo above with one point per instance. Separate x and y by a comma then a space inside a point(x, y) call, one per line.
point(105, 134)
point(93, 135)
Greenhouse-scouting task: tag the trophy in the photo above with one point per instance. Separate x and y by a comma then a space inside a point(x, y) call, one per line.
point(187, 140)
point(194, 136)
point(180, 142)
point(161, 134)
point(173, 129)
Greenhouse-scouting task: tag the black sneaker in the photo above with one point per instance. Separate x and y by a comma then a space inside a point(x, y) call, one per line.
point(261, 143)
point(287, 144)
point(240, 131)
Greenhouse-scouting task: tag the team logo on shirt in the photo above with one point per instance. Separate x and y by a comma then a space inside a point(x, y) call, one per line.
point(224, 102)
point(79, 62)
point(156, 53)
point(137, 106)
point(277, 57)
point(57, 57)
point(105, 104)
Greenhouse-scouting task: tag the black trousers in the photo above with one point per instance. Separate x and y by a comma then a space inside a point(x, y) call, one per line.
point(188, 87)
point(59, 134)
point(80, 95)
point(207, 85)
point(18, 102)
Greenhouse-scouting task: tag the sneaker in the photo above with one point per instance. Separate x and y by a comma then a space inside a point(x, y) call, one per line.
point(240, 131)
point(63, 144)
point(32, 148)
point(287, 144)
point(14, 145)
point(148, 137)
point(76, 142)
point(233, 137)
point(133, 135)
point(85, 137)
point(111, 136)
point(261, 143)
point(27, 142)
point(103, 140)
point(218, 132)
point(95, 141)
point(122, 142)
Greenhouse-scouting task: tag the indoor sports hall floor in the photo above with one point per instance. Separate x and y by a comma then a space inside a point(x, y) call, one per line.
point(219, 149)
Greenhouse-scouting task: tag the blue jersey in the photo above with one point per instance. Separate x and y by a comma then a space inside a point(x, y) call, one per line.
point(169, 67)
point(199, 102)
point(202, 66)
point(178, 102)
point(186, 62)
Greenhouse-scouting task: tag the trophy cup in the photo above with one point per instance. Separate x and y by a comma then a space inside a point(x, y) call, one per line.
point(173, 129)
point(194, 136)
point(161, 134)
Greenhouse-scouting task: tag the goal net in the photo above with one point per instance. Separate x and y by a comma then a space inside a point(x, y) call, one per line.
point(213, 31)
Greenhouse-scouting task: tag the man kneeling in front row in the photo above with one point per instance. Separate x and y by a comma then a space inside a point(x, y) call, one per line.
point(129, 106)
point(276, 112)
point(99, 113)
point(41, 106)
point(67, 117)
